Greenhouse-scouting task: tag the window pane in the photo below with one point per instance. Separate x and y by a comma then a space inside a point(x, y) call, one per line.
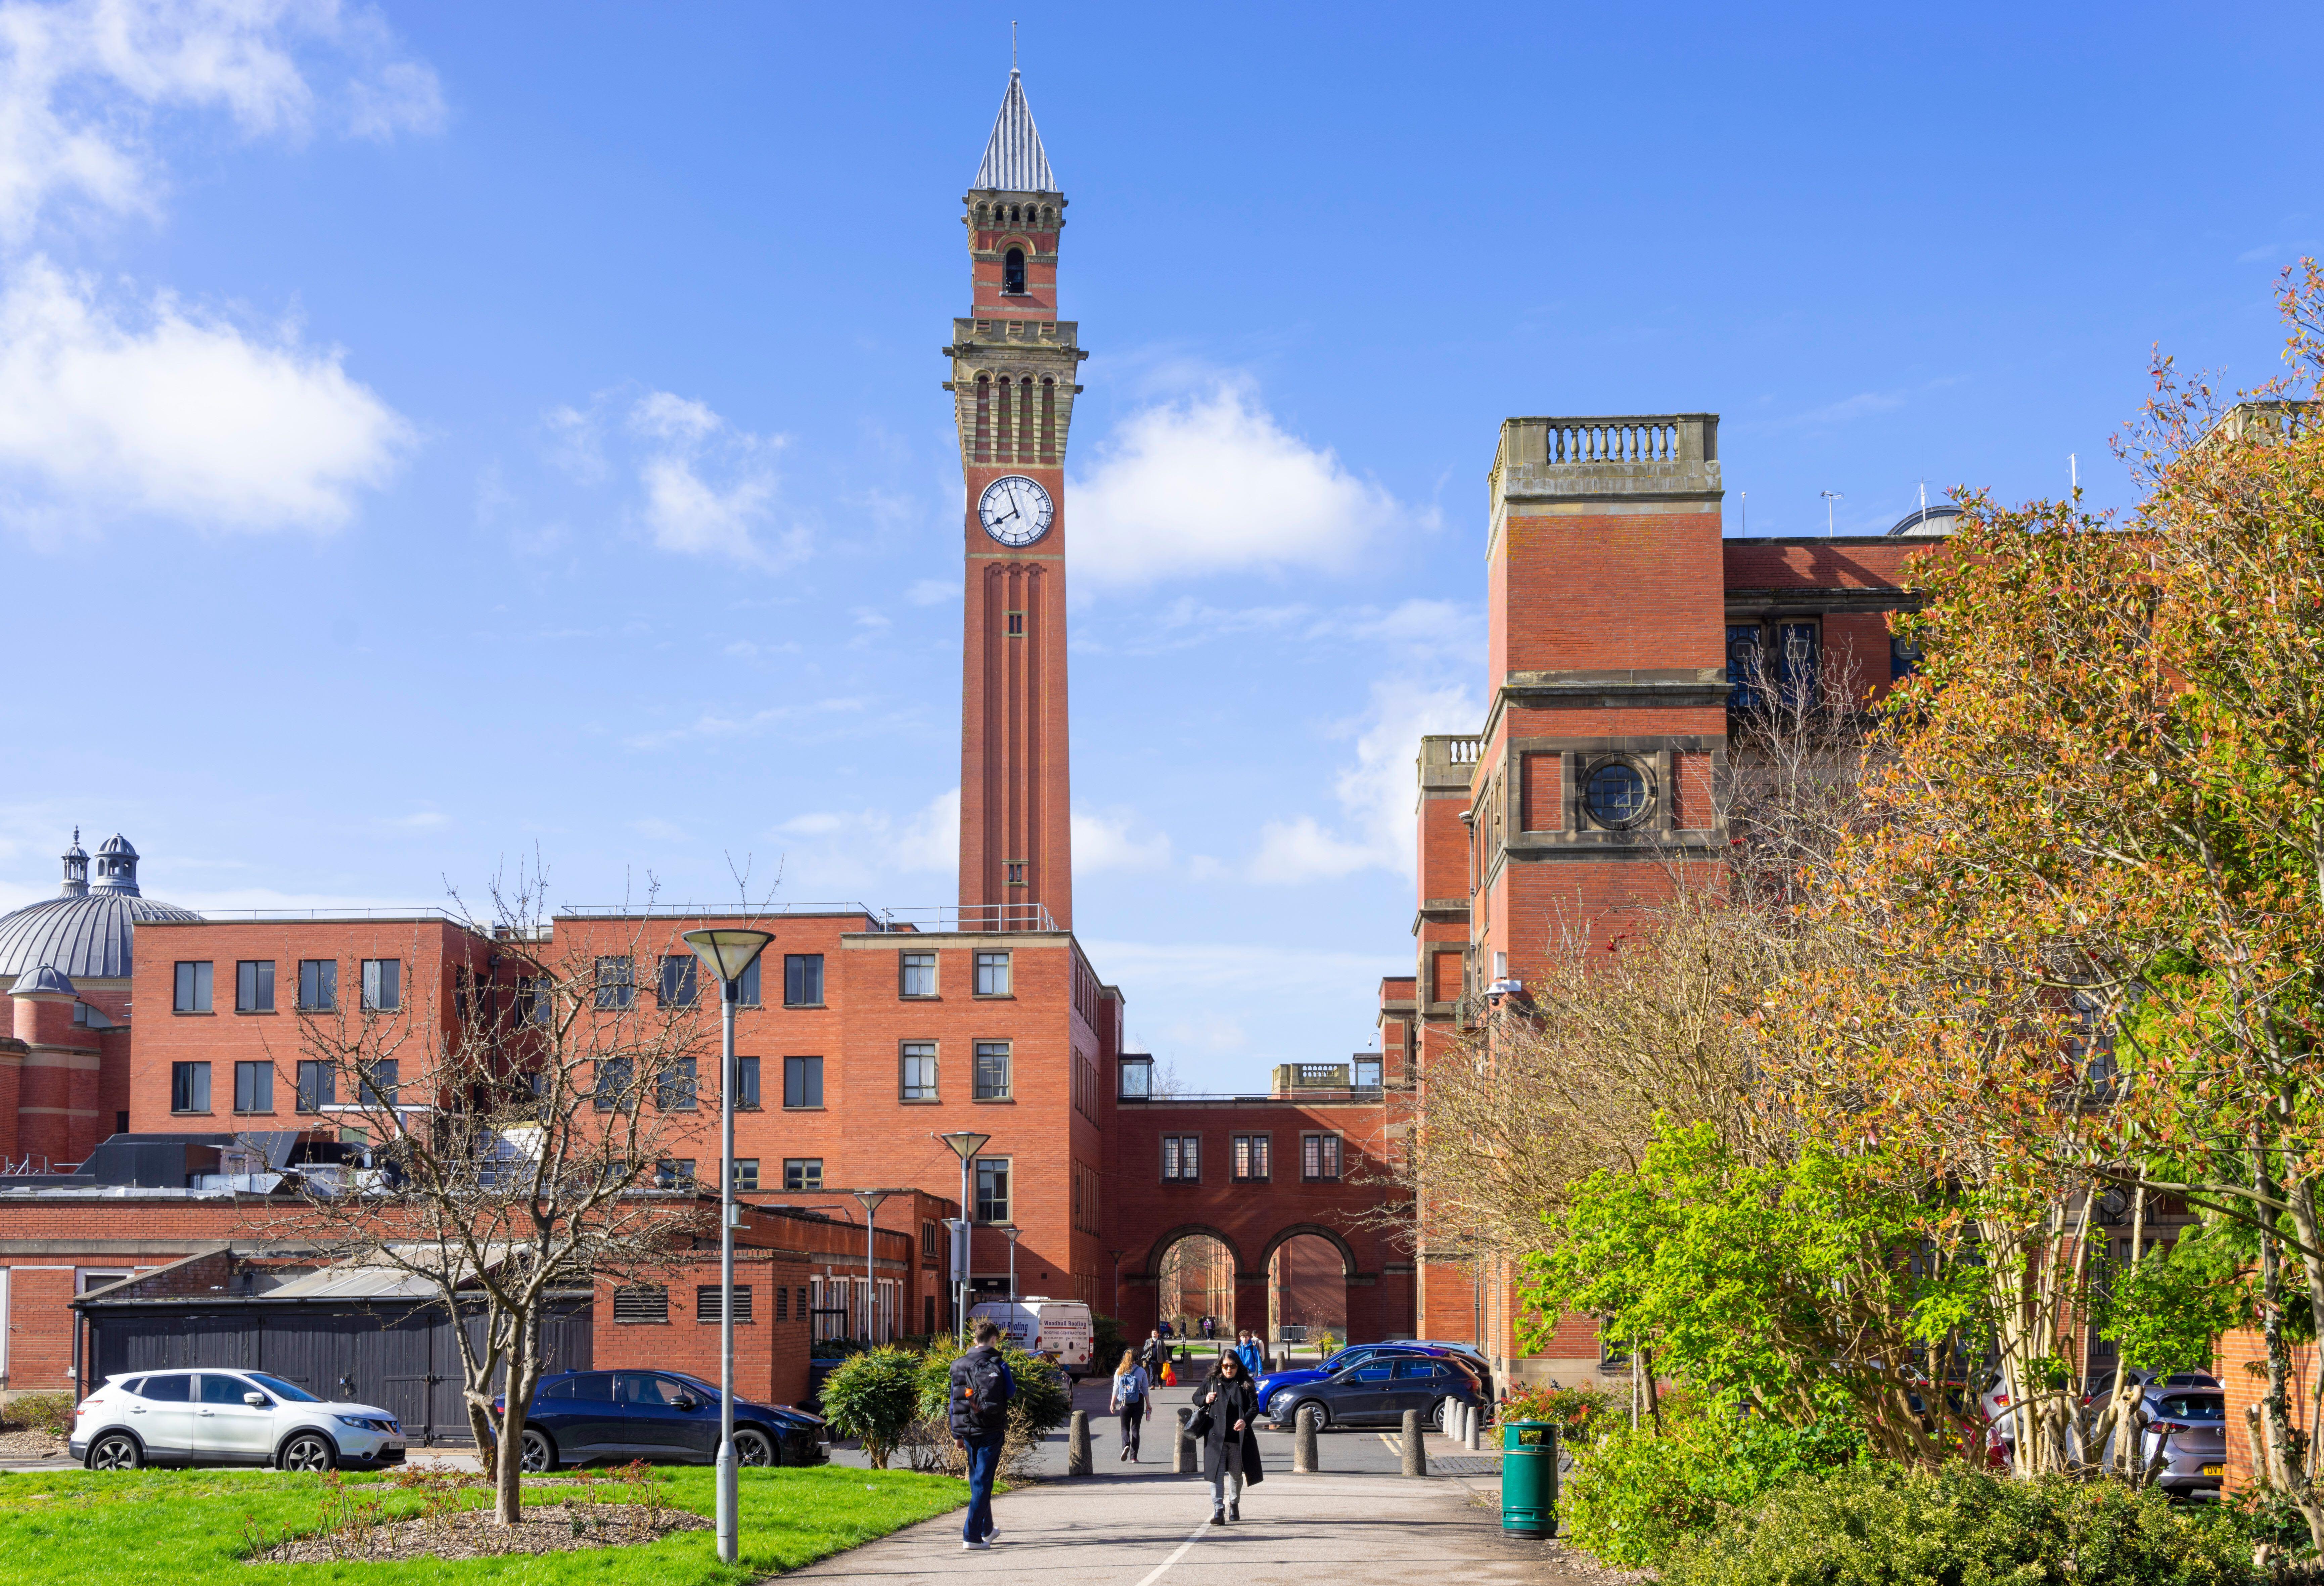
point(992, 1070)
point(254, 1087)
point(1169, 1156)
point(317, 1086)
point(1136, 1078)
point(919, 1071)
point(802, 1081)
point(675, 1092)
point(677, 980)
point(803, 1173)
point(1190, 1156)
point(614, 1083)
point(746, 990)
point(382, 984)
point(254, 985)
point(992, 974)
point(802, 978)
point(189, 1087)
point(193, 989)
point(616, 982)
point(993, 1189)
point(318, 984)
point(380, 1082)
point(746, 1082)
point(919, 974)
point(746, 1173)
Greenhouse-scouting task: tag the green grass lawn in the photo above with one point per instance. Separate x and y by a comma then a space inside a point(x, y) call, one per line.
point(185, 1528)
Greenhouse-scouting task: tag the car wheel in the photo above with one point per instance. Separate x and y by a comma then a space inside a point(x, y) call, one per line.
point(537, 1454)
point(1323, 1416)
point(752, 1449)
point(1436, 1416)
point(116, 1451)
point(309, 1451)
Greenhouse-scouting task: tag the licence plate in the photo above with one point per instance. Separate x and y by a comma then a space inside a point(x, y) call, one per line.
point(2215, 1469)
point(396, 1443)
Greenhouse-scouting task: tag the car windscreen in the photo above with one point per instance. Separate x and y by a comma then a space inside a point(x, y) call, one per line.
point(2191, 1406)
point(283, 1390)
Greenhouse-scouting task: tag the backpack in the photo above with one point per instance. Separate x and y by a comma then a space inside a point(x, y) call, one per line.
point(979, 1389)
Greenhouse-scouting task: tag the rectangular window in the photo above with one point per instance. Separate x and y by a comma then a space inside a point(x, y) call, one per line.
point(616, 1082)
point(254, 1087)
point(189, 1086)
point(380, 1082)
point(919, 974)
point(254, 986)
point(992, 974)
point(536, 999)
point(1797, 662)
point(782, 1302)
point(1368, 1073)
point(674, 1173)
point(1252, 1163)
point(746, 990)
point(674, 1088)
point(642, 1302)
point(675, 987)
point(1319, 1157)
point(931, 1243)
point(1182, 1158)
point(318, 985)
point(919, 1071)
point(1744, 670)
point(802, 1081)
point(193, 989)
point(803, 1173)
point(1136, 1078)
point(616, 982)
point(1014, 870)
point(993, 1189)
point(382, 986)
point(1015, 628)
point(317, 1085)
point(746, 1082)
point(746, 1174)
point(802, 980)
point(992, 1071)
point(709, 1299)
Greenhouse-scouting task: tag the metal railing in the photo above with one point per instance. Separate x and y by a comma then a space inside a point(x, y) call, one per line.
point(705, 911)
point(971, 919)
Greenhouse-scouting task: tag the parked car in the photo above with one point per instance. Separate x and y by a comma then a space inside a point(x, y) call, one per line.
point(1271, 1386)
point(2188, 1427)
point(212, 1417)
point(2102, 1385)
point(1378, 1390)
point(579, 1417)
point(1477, 1359)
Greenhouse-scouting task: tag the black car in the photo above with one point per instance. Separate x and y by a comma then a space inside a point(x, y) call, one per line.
point(580, 1416)
point(1378, 1391)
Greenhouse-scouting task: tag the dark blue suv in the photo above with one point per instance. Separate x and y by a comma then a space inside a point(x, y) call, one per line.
point(580, 1416)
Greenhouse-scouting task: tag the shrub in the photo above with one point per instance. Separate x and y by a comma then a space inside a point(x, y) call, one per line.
point(1578, 1413)
point(1634, 1496)
point(1044, 1402)
point(1877, 1524)
point(874, 1396)
point(51, 1413)
point(1107, 1342)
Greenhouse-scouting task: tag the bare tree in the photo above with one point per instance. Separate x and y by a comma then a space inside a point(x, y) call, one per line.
point(514, 1146)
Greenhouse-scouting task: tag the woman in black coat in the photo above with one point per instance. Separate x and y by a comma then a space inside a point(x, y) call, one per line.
point(1226, 1417)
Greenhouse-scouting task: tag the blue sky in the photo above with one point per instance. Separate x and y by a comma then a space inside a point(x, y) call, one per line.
point(434, 434)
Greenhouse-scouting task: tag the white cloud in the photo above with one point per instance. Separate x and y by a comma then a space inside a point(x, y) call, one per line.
point(81, 83)
point(176, 416)
point(1212, 484)
point(1114, 840)
point(931, 839)
point(706, 487)
point(831, 853)
point(1377, 794)
point(933, 591)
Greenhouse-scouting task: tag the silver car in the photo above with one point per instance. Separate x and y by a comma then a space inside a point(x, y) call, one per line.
point(214, 1417)
point(2188, 1427)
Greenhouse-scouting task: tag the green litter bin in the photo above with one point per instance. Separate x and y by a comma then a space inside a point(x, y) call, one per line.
point(1529, 1478)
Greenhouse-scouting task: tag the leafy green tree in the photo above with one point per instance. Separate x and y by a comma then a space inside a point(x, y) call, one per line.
point(874, 1396)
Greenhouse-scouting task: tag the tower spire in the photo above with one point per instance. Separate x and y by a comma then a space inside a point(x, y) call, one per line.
point(1014, 161)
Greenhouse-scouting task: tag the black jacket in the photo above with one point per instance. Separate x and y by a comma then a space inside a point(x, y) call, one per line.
point(979, 1391)
point(1236, 1400)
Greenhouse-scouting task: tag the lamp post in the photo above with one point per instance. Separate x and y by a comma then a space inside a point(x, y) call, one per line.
point(965, 1144)
point(871, 1199)
point(1014, 1233)
point(728, 954)
point(1117, 1256)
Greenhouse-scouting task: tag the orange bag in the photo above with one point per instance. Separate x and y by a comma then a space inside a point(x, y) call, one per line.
point(1169, 1376)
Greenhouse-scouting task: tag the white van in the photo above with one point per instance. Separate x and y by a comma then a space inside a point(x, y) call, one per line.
point(1059, 1329)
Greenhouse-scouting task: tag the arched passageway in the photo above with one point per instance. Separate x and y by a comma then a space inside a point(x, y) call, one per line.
point(1307, 1290)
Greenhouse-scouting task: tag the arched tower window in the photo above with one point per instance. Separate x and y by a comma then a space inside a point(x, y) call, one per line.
point(1012, 271)
point(983, 418)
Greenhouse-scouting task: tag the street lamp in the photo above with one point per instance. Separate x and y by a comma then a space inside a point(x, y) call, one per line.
point(871, 1199)
point(1117, 1256)
point(728, 954)
point(965, 1144)
point(1014, 1233)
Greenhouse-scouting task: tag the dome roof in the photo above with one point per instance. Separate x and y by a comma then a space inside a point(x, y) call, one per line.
point(85, 933)
point(44, 981)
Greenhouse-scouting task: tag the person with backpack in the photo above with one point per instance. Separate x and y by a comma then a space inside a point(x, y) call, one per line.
point(1253, 1353)
point(978, 1415)
point(1226, 1421)
point(1133, 1401)
point(1153, 1355)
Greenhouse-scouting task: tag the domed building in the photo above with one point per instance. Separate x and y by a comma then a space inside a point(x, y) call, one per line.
point(66, 963)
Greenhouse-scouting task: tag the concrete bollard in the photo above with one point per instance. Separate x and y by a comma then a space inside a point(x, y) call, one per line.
point(1477, 1427)
point(1303, 1442)
point(1182, 1447)
point(1415, 1453)
point(1456, 1421)
point(1077, 1445)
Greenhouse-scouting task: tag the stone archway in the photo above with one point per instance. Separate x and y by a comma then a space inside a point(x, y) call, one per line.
point(1196, 1270)
point(1308, 1269)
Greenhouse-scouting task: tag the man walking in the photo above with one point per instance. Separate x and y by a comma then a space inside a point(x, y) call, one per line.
point(1153, 1355)
point(980, 1393)
point(1253, 1353)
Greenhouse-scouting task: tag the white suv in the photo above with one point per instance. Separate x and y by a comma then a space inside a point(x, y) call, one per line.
point(213, 1417)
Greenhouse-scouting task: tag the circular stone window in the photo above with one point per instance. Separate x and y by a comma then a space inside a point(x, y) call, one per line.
point(1617, 796)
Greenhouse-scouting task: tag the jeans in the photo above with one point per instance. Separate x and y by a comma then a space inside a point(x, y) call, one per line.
point(1133, 1418)
point(1226, 1486)
point(983, 1458)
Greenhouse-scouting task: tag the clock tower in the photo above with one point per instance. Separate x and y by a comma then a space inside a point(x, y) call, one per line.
point(1013, 368)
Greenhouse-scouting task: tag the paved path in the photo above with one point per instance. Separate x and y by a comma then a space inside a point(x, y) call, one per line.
point(1152, 1530)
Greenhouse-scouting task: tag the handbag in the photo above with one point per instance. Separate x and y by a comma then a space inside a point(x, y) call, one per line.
point(1200, 1426)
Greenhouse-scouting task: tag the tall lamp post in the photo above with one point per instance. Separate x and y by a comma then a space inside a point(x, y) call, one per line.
point(728, 954)
point(1014, 1233)
point(871, 1199)
point(966, 1145)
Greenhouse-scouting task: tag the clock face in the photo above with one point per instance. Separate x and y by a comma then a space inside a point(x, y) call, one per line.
point(1014, 510)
